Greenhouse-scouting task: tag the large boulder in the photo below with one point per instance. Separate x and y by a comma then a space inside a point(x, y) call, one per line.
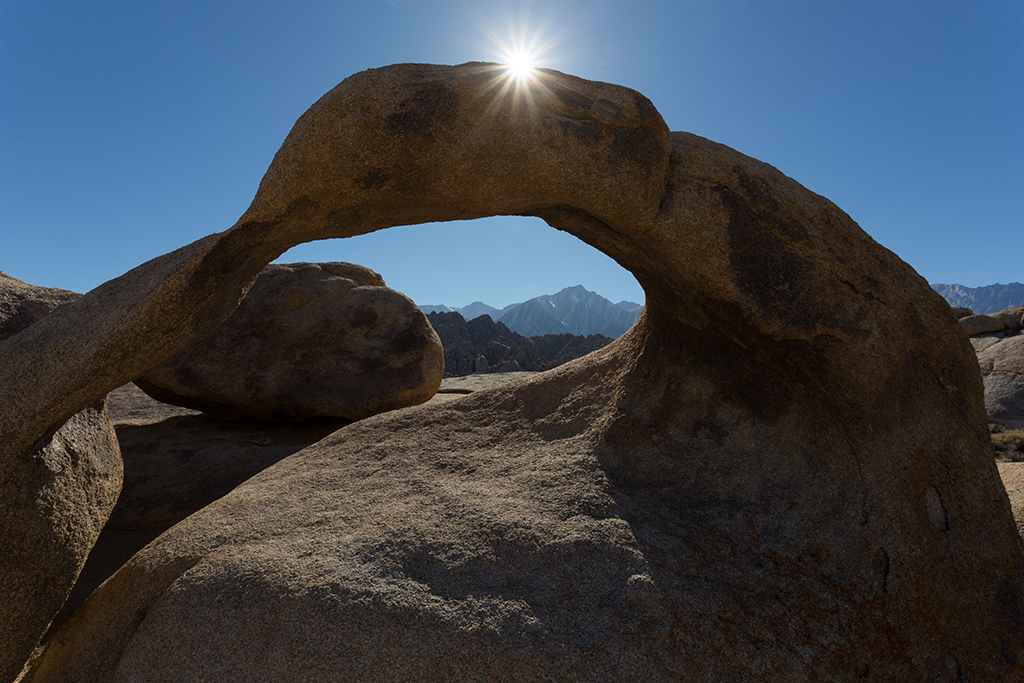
point(309, 340)
point(57, 493)
point(981, 324)
point(781, 472)
point(1013, 318)
point(1002, 369)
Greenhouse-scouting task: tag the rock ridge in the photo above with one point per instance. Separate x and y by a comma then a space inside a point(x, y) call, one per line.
point(482, 345)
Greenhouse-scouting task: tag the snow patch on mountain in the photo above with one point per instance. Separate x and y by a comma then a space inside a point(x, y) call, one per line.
point(574, 310)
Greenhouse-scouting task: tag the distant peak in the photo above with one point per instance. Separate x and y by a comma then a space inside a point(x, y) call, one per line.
point(573, 310)
point(986, 299)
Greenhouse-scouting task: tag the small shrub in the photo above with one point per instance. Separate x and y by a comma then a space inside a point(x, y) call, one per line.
point(1009, 445)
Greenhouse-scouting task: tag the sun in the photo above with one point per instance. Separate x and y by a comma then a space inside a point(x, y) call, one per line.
point(522, 44)
point(521, 65)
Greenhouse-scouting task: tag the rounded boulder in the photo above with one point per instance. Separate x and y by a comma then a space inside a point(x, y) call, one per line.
point(309, 340)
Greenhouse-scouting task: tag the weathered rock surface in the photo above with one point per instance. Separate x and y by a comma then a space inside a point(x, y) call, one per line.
point(1012, 474)
point(1002, 369)
point(981, 324)
point(781, 472)
point(178, 460)
point(57, 494)
point(309, 340)
point(130, 405)
point(1013, 318)
point(472, 383)
point(22, 304)
point(982, 342)
point(177, 466)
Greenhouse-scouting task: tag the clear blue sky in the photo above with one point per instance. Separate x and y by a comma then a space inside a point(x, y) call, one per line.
point(132, 128)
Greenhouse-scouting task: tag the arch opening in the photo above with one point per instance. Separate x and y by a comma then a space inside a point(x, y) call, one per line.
point(499, 260)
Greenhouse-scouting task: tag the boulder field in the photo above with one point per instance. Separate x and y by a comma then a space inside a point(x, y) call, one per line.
point(781, 472)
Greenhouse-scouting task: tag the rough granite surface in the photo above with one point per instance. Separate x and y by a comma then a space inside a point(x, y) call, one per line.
point(782, 472)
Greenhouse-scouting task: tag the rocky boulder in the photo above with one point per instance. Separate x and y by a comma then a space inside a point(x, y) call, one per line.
point(1002, 368)
point(962, 312)
point(781, 472)
point(981, 324)
point(1012, 318)
point(57, 494)
point(22, 304)
point(309, 340)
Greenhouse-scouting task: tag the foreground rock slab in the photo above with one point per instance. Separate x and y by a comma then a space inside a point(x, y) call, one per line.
point(57, 494)
point(309, 340)
point(178, 461)
point(781, 472)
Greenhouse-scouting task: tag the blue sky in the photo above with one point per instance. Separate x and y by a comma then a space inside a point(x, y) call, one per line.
point(133, 128)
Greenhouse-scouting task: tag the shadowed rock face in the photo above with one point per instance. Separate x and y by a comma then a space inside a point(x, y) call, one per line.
point(782, 472)
point(309, 340)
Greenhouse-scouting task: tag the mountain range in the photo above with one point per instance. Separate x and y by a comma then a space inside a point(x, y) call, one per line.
point(988, 299)
point(482, 345)
point(578, 311)
point(574, 310)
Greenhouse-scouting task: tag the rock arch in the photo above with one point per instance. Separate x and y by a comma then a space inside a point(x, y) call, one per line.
point(745, 485)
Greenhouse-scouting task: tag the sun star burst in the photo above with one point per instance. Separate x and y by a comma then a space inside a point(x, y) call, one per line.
point(520, 66)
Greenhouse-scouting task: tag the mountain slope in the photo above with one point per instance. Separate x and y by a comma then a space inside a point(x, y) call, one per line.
point(482, 345)
point(574, 310)
point(988, 299)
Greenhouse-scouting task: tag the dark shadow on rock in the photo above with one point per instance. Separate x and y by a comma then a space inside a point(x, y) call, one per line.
point(174, 467)
point(181, 464)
